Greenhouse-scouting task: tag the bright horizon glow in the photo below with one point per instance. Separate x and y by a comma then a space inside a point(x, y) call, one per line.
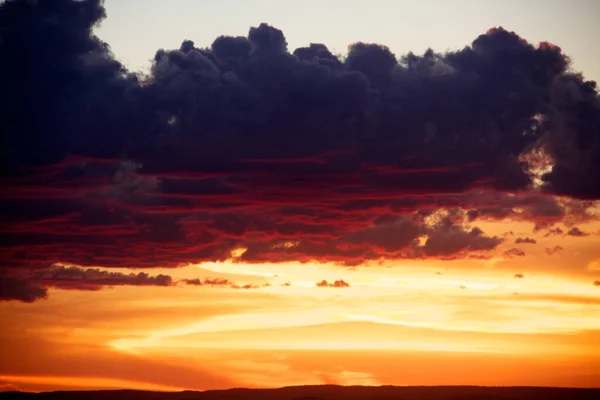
point(509, 313)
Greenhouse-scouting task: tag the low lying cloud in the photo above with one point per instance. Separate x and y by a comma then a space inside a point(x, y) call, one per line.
point(222, 282)
point(554, 232)
point(554, 250)
point(21, 289)
point(577, 232)
point(514, 252)
point(33, 285)
point(337, 284)
point(207, 282)
point(246, 286)
point(525, 240)
point(93, 278)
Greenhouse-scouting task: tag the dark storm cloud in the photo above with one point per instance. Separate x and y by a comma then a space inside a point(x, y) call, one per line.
point(295, 156)
point(525, 240)
point(543, 211)
point(388, 236)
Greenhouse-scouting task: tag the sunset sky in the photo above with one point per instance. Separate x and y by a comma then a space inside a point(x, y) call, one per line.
point(216, 194)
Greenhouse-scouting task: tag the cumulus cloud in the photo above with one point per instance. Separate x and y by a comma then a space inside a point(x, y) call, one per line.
point(514, 252)
point(525, 240)
point(293, 156)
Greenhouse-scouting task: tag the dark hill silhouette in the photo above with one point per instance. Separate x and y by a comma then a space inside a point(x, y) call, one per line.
point(328, 392)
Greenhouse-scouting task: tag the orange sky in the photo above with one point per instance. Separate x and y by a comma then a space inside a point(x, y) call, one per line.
point(245, 212)
point(413, 322)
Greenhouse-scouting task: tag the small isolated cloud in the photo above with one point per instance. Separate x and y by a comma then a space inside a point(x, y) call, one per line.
point(217, 282)
point(286, 284)
point(207, 282)
point(554, 232)
point(221, 282)
point(525, 240)
point(596, 283)
point(519, 276)
point(554, 250)
point(480, 257)
point(514, 252)
point(246, 286)
point(195, 282)
point(577, 232)
point(337, 284)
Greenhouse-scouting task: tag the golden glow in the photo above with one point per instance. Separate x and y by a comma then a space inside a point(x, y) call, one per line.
point(537, 318)
point(83, 383)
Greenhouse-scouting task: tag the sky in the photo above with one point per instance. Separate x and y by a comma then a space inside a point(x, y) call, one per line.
point(136, 28)
point(206, 195)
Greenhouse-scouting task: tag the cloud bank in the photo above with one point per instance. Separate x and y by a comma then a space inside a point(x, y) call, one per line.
point(246, 145)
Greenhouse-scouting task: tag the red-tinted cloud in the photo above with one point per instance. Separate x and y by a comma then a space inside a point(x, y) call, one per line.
point(296, 156)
